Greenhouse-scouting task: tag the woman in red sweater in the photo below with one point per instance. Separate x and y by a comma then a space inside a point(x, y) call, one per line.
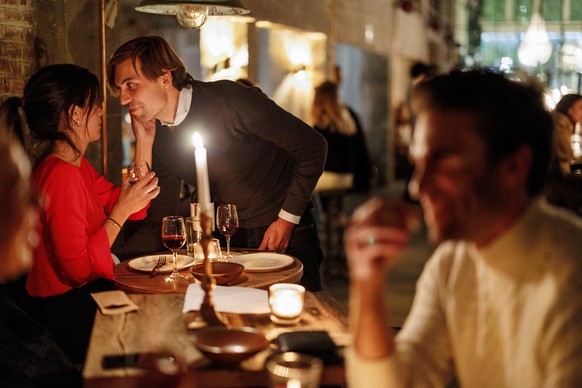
point(57, 118)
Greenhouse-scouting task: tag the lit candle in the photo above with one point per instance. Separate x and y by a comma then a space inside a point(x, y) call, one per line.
point(293, 383)
point(286, 301)
point(203, 186)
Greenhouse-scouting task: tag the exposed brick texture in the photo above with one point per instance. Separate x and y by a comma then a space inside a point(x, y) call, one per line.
point(16, 47)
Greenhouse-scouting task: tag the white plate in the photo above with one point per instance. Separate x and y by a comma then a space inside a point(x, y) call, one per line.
point(147, 263)
point(263, 261)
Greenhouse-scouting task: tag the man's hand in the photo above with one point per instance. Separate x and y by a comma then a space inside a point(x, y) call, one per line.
point(376, 235)
point(374, 238)
point(277, 236)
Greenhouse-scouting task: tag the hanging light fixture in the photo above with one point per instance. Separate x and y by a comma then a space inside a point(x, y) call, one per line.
point(193, 13)
point(535, 49)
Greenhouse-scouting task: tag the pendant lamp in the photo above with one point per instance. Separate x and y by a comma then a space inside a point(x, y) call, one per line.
point(535, 49)
point(192, 13)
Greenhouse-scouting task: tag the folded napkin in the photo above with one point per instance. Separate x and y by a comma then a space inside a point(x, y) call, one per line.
point(238, 300)
point(113, 302)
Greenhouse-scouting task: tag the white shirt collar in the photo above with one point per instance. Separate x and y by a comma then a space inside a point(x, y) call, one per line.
point(184, 101)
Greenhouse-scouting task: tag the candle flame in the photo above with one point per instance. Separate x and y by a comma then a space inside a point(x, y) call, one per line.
point(197, 140)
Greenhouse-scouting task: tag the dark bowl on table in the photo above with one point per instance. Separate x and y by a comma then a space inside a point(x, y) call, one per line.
point(229, 346)
point(222, 272)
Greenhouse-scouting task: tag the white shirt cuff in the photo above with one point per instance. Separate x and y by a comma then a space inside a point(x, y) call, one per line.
point(289, 217)
point(115, 259)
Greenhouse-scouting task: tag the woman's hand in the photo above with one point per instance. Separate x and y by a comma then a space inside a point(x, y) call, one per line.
point(135, 197)
point(145, 133)
point(144, 130)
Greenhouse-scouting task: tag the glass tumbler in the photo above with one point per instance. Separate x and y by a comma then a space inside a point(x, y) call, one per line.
point(292, 369)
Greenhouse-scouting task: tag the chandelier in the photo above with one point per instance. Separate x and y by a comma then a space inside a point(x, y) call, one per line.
point(535, 49)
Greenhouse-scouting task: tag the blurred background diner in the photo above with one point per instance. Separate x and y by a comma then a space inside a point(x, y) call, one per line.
point(348, 169)
point(287, 49)
point(564, 183)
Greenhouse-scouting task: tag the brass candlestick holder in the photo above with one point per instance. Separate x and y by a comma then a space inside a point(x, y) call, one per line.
point(209, 314)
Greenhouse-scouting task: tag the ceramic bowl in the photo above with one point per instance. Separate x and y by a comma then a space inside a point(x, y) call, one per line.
point(229, 346)
point(222, 272)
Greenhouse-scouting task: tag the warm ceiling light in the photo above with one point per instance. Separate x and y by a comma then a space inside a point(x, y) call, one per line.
point(193, 13)
point(535, 49)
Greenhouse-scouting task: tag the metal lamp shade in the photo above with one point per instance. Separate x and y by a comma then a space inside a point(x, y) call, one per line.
point(172, 7)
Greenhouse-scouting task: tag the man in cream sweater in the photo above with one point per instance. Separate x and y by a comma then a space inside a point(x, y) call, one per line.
point(498, 304)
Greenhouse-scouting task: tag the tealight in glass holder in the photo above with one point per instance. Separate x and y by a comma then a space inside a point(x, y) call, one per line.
point(286, 302)
point(214, 252)
point(193, 234)
point(294, 370)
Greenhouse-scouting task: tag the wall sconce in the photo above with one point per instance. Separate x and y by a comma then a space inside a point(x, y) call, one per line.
point(297, 68)
point(224, 50)
point(301, 77)
point(222, 65)
point(299, 54)
point(192, 13)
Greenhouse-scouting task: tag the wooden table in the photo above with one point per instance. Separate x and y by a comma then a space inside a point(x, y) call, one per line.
point(132, 281)
point(159, 325)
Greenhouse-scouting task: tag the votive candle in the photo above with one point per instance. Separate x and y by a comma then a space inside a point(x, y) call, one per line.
point(286, 302)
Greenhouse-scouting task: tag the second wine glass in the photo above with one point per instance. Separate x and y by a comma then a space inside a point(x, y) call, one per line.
point(173, 237)
point(227, 223)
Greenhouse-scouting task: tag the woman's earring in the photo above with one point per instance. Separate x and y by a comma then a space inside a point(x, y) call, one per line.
point(75, 114)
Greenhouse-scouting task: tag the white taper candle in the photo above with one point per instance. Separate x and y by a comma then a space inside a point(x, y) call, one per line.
point(203, 185)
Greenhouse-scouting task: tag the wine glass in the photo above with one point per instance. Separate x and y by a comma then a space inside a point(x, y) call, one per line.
point(227, 223)
point(173, 237)
point(137, 170)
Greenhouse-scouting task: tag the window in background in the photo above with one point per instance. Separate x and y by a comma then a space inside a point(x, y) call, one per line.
point(503, 27)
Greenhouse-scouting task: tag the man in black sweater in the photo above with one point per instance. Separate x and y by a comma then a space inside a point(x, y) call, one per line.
point(260, 157)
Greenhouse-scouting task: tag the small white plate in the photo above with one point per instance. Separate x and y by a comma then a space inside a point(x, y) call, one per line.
point(263, 261)
point(147, 263)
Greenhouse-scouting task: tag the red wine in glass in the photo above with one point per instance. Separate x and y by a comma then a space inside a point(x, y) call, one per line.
point(228, 229)
point(173, 243)
point(174, 237)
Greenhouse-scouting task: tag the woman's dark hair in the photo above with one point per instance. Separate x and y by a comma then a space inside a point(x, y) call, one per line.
point(46, 105)
point(508, 114)
point(566, 103)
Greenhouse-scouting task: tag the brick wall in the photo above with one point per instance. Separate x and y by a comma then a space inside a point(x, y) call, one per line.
point(16, 47)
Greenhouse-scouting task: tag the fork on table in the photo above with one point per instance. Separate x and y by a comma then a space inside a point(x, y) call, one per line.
point(161, 262)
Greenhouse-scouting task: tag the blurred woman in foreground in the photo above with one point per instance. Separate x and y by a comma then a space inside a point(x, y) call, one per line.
point(29, 355)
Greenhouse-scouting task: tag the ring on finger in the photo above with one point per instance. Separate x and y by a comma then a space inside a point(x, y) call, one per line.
point(371, 240)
